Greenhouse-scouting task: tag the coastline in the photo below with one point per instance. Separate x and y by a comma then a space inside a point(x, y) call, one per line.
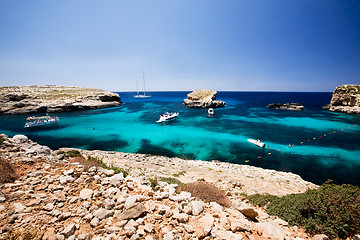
point(71, 200)
point(230, 176)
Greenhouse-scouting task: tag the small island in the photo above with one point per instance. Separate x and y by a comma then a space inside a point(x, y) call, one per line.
point(203, 99)
point(346, 99)
point(51, 98)
point(287, 106)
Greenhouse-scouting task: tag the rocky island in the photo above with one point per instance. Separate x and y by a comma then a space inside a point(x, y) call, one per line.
point(203, 99)
point(287, 106)
point(74, 194)
point(346, 99)
point(51, 98)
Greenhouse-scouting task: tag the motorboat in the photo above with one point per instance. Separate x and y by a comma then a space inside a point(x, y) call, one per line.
point(167, 117)
point(40, 121)
point(211, 111)
point(256, 142)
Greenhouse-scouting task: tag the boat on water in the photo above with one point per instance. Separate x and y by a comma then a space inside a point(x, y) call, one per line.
point(167, 117)
point(40, 121)
point(211, 111)
point(257, 142)
point(138, 95)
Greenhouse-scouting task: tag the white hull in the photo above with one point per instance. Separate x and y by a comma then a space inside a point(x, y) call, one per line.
point(211, 111)
point(41, 122)
point(167, 117)
point(256, 142)
point(142, 96)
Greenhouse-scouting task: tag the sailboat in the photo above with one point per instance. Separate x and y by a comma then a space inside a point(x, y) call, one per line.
point(137, 90)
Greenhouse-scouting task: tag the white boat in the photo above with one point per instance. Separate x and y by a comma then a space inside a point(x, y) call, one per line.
point(137, 90)
point(257, 142)
point(211, 111)
point(167, 117)
point(40, 121)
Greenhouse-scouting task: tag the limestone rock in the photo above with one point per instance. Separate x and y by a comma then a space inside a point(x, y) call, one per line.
point(86, 194)
point(247, 210)
point(270, 230)
point(203, 99)
point(103, 213)
point(133, 212)
point(287, 106)
point(19, 138)
point(51, 98)
point(206, 223)
point(346, 98)
point(197, 207)
point(69, 230)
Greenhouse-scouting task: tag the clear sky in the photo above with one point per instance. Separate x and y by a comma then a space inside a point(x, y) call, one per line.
point(257, 45)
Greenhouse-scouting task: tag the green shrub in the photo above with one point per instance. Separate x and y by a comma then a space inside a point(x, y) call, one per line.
point(182, 173)
point(261, 200)
point(153, 182)
point(1, 140)
point(73, 153)
point(171, 180)
point(331, 209)
point(98, 162)
point(60, 152)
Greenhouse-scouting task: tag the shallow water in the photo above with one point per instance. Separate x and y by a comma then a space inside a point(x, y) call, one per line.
point(132, 128)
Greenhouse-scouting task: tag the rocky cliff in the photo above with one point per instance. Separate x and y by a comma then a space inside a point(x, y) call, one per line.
point(203, 99)
point(62, 197)
point(346, 98)
point(51, 98)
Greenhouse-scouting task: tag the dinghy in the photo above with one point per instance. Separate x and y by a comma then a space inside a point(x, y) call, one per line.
point(257, 142)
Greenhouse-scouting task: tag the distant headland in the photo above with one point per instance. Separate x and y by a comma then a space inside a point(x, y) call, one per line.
point(52, 98)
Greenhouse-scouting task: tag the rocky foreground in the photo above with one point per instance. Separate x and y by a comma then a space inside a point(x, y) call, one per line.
point(203, 99)
point(57, 197)
point(51, 98)
point(346, 98)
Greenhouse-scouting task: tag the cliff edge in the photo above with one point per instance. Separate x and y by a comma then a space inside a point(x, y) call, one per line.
point(51, 98)
point(346, 98)
point(203, 99)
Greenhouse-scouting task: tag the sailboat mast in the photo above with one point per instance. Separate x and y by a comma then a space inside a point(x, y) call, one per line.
point(144, 82)
point(137, 88)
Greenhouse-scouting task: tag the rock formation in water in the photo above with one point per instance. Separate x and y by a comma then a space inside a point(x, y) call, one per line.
point(345, 98)
point(287, 106)
point(61, 197)
point(51, 98)
point(203, 99)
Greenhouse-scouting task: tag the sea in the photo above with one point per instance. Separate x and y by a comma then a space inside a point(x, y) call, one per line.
point(314, 143)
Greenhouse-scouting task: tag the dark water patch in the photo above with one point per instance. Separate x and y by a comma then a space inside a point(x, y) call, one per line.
point(80, 142)
point(148, 148)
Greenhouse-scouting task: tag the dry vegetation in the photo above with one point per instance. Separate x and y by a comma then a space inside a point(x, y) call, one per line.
point(7, 171)
point(206, 192)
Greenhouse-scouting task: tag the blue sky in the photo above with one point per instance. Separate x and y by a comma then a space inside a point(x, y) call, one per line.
point(245, 45)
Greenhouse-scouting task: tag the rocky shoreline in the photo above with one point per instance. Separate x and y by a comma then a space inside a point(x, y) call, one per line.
point(346, 99)
point(203, 99)
point(51, 98)
point(59, 197)
point(287, 106)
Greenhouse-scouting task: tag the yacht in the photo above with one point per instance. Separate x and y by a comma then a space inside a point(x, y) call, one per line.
point(138, 95)
point(167, 117)
point(40, 121)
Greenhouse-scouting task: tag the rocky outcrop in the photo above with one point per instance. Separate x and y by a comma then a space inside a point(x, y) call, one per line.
point(58, 197)
point(203, 99)
point(287, 106)
point(50, 98)
point(345, 98)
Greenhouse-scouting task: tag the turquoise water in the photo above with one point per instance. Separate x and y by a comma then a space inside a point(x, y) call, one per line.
point(132, 128)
